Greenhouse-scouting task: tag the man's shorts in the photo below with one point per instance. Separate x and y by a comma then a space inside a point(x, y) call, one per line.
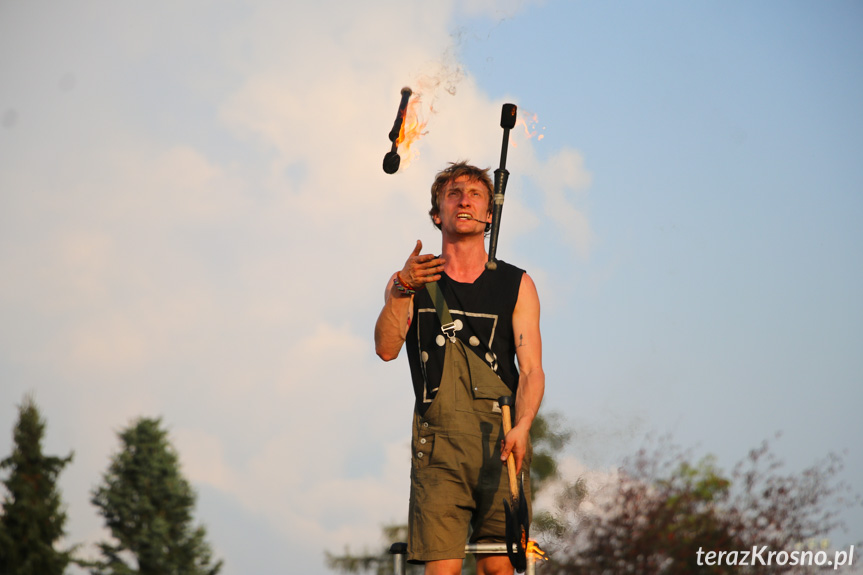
point(458, 482)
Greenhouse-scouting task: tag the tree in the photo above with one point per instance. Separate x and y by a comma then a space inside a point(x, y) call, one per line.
point(548, 437)
point(32, 518)
point(147, 506)
point(663, 510)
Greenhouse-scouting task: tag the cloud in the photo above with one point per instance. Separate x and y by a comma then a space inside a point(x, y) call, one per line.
point(562, 180)
point(203, 459)
point(198, 227)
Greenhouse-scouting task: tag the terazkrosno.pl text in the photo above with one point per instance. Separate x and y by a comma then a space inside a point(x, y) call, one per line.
point(765, 556)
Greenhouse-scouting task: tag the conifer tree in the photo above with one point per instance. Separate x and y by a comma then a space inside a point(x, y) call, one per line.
point(33, 517)
point(147, 505)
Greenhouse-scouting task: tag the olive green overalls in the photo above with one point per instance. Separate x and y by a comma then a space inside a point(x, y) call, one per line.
point(457, 477)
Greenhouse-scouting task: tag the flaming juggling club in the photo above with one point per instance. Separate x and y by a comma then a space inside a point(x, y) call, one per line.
point(501, 175)
point(392, 159)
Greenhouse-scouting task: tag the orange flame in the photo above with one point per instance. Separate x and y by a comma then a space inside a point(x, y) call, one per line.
point(413, 127)
point(528, 121)
point(535, 552)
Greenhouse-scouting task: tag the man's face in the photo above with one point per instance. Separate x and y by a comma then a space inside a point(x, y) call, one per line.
point(463, 206)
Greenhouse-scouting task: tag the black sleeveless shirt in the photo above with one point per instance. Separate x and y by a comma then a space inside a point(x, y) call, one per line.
point(482, 312)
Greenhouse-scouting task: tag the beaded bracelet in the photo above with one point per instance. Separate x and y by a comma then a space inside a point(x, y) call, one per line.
point(403, 286)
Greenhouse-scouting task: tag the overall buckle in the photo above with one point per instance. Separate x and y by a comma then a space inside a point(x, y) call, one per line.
point(449, 330)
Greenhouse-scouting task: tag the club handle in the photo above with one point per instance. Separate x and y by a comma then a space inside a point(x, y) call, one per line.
point(501, 176)
point(400, 115)
point(506, 413)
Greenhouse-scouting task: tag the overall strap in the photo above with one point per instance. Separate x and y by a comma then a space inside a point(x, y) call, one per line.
point(447, 325)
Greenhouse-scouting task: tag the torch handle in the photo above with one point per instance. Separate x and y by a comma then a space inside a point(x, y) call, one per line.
point(504, 147)
point(400, 115)
point(501, 175)
point(506, 414)
point(500, 178)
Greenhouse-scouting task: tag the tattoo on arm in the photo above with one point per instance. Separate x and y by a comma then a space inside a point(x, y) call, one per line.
point(520, 340)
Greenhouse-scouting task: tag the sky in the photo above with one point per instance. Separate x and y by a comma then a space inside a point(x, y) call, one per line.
point(195, 225)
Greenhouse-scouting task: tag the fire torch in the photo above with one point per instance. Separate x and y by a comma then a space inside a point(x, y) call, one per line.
point(501, 175)
point(392, 159)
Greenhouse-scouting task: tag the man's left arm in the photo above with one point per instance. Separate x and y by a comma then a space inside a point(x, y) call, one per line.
point(531, 378)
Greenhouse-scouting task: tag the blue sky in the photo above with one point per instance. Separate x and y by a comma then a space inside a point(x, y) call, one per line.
point(194, 223)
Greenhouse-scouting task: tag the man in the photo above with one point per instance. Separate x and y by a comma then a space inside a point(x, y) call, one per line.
point(458, 479)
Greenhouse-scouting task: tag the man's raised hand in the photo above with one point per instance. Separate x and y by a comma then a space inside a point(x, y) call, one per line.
point(421, 269)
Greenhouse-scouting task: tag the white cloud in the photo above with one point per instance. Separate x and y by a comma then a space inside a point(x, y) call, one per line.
point(562, 179)
point(199, 227)
point(203, 459)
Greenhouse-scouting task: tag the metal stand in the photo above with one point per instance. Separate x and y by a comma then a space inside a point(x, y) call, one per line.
point(399, 553)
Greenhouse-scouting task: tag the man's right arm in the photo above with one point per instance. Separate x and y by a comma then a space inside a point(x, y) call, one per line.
point(394, 320)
